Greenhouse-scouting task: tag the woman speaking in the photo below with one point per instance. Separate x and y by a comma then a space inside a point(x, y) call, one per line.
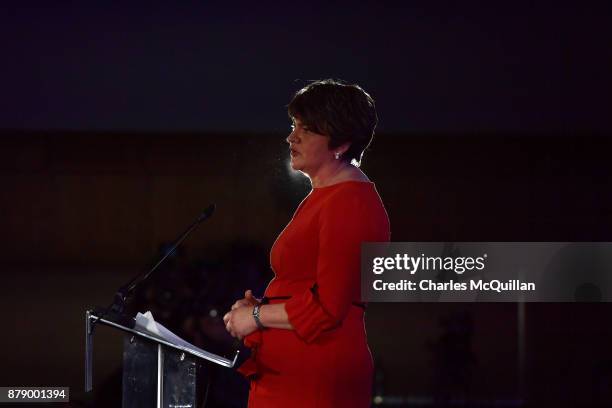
point(307, 334)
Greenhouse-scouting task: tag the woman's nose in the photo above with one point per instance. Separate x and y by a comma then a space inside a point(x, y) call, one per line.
point(291, 138)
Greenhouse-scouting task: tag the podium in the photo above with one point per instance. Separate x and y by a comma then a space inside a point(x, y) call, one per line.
point(156, 372)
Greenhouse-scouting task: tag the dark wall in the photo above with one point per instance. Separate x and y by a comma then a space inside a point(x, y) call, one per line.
point(111, 198)
point(81, 213)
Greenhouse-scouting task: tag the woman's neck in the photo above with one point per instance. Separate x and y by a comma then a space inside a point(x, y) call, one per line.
point(338, 172)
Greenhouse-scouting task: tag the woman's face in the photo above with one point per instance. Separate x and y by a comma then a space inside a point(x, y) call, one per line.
point(309, 150)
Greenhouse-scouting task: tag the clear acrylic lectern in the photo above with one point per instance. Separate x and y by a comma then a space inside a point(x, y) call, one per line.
point(156, 372)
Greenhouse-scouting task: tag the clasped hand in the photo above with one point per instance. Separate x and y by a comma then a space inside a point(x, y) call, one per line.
point(239, 321)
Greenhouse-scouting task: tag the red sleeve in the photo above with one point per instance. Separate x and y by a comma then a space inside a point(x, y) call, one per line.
point(344, 223)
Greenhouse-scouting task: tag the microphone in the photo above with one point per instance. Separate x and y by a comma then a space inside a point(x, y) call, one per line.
point(207, 213)
point(123, 294)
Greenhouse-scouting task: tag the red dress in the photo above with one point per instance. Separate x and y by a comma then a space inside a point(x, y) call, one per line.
point(325, 361)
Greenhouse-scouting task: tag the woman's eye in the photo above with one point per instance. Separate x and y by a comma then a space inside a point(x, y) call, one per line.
point(305, 129)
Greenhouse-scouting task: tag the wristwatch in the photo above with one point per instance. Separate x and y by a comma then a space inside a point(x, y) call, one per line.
point(260, 326)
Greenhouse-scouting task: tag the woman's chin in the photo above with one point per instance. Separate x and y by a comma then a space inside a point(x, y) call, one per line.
point(295, 165)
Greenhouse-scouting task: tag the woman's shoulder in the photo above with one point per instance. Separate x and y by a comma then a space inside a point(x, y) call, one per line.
point(351, 195)
point(356, 206)
point(347, 187)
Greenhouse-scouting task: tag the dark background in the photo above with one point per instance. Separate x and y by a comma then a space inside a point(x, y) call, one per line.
point(121, 123)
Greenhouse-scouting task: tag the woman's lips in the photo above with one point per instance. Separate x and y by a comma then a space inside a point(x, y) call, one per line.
point(293, 153)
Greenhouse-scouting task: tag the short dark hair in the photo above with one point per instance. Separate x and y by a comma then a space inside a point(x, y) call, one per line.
point(344, 112)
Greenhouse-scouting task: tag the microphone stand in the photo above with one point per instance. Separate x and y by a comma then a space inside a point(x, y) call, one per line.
point(116, 309)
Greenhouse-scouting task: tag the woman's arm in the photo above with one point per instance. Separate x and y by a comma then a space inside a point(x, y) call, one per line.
point(274, 316)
